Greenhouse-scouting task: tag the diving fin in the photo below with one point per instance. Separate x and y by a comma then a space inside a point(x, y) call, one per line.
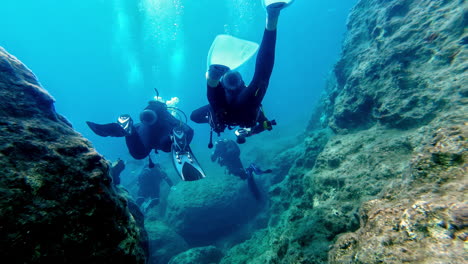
point(122, 128)
point(107, 130)
point(148, 204)
point(183, 159)
point(254, 188)
point(286, 3)
point(230, 51)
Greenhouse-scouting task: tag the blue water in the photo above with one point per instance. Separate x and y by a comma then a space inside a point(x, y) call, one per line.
point(101, 58)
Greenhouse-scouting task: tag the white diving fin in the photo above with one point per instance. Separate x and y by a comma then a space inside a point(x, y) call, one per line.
point(230, 51)
point(183, 159)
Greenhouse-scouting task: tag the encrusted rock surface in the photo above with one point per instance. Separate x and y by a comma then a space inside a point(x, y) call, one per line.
point(390, 185)
point(292, 224)
point(199, 255)
point(402, 63)
point(57, 202)
point(206, 210)
point(164, 242)
point(423, 220)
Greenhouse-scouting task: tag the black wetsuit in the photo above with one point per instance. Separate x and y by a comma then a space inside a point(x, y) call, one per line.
point(149, 182)
point(144, 138)
point(227, 153)
point(242, 109)
point(115, 170)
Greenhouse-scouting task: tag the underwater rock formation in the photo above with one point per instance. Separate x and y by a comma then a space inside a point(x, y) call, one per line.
point(399, 64)
point(57, 202)
point(164, 242)
point(424, 220)
point(199, 255)
point(390, 185)
point(204, 211)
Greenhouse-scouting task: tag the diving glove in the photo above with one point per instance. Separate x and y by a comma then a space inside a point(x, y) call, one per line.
point(216, 71)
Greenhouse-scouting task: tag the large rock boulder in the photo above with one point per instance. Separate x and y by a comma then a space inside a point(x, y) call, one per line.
point(56, 198)
point(164, 242)
point(206, 210)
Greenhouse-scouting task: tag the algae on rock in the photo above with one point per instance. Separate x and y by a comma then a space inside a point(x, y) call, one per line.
point(390, 185)
point(57, 201)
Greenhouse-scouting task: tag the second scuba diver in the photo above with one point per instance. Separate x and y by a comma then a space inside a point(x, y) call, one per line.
point(227, 154)
point(149, 185)
point(231, 102)
point(158, 130)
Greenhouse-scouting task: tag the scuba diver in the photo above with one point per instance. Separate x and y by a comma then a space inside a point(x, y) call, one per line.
point(227, 154)
point(231, 102)
point(158, 130)
point(115, 169)
point(149, 182)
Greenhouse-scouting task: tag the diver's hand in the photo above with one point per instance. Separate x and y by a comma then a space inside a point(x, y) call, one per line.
point(216, 71)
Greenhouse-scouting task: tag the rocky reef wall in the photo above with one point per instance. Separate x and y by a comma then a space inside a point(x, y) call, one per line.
point(57, 202)
point(381, 174)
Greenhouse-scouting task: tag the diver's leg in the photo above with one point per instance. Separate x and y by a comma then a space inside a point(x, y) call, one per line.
point(166, 144)
point(235, 167)
point(115, 169)
point(265, 58)
point(253, 187)
point(201, 115)
point(189, 133)
point(181, 137)
point(264, 67)
point(123, 127)
point(135, 145)
point(273, 12)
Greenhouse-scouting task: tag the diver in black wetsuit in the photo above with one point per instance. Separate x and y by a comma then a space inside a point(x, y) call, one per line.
point(115, 169)
point(231, 102)
point(153, 133)
point(149, 181)
point(158, 130)
point(227, 153)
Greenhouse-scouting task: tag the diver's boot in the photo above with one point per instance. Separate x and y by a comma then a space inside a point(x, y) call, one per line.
point(126, 123)
point(274, 9)
point(273, 12)
point(153, 202)
point(180, 144)
point(123, 127)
